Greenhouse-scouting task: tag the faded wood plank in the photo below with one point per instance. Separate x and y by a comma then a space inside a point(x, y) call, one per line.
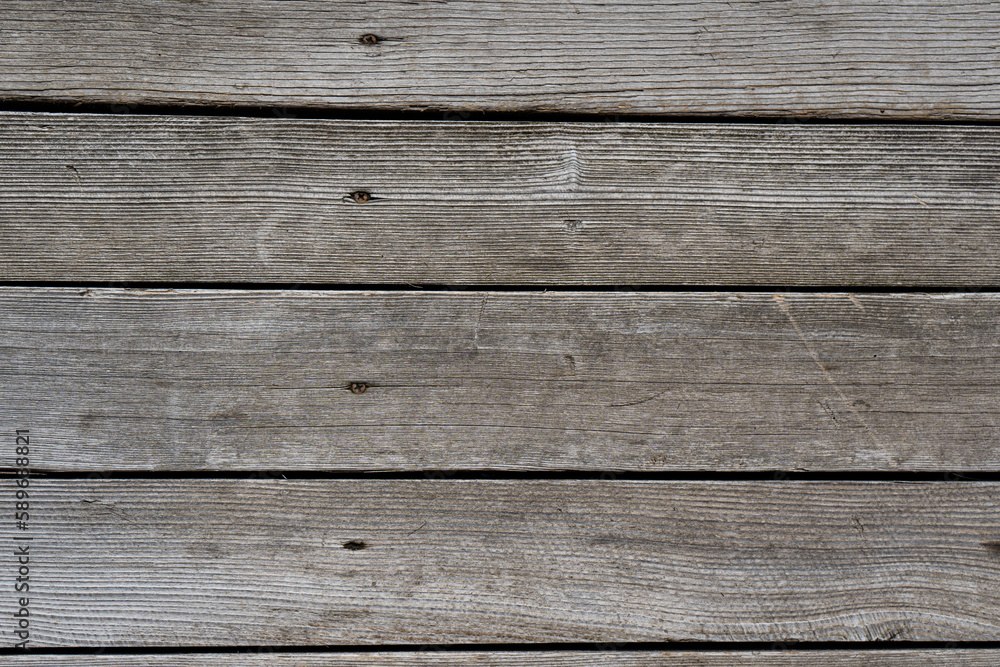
point(855, 58)
point(430, 658)
point(111, 379)
point(106, 198)
point(210, 562)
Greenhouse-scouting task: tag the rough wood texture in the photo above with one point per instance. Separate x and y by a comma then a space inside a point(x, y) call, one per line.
point(105, 198)
point(260, 380)
point(223, 562)
point(431, 658)
point(860, 58)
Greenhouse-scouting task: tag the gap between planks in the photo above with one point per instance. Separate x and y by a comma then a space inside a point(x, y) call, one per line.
point(610, 658)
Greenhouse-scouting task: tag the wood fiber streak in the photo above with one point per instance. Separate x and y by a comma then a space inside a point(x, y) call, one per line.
point(112, 379)
point(250, 200)
point(927, 59)
point(222, 562)
point(607, 658)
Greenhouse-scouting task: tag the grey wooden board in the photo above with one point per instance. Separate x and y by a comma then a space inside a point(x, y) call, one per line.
point(921, 59)
point(122, 379)
point(224, 562)
point(611, 658)
point(125, 198)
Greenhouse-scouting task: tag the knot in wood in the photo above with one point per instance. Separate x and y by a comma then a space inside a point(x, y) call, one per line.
point(355, 545)
point(360, 196)
point(358, 387)
point(368, 39)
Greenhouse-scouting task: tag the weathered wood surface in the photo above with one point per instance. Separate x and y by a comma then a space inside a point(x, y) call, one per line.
point(222, 562)
point(112, 379)
point(855, 58)
point(107, 198)
point(431, 658)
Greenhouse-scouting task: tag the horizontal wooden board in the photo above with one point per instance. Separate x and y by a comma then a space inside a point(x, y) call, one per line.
point(223, 562)
point(855, 58)
point(113, 379)
point(610, 658)
point(106, 198)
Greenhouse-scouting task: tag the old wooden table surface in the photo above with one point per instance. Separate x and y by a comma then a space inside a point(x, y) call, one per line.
point(515, 333)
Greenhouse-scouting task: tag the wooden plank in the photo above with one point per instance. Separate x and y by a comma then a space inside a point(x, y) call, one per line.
point(106, 198)
point(112, 379)
point(855, 58)
point(614, 658)
point(224, 562)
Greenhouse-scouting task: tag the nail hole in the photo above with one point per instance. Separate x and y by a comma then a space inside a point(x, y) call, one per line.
point(355, 545)
point(358, 387)
point(369, 39)
point(360, 196)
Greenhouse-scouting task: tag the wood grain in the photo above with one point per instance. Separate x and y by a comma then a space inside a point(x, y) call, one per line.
point(854, 58)
point(613, 658)
point(224, 562)
point(113, 379)
point(111, 198)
